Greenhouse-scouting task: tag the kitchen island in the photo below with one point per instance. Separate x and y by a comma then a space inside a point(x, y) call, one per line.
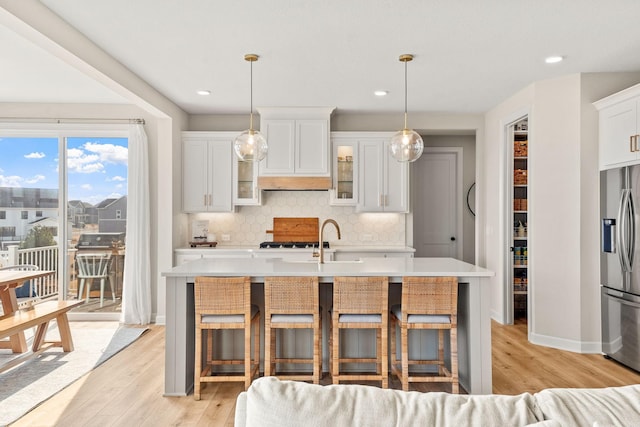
point(474, 323)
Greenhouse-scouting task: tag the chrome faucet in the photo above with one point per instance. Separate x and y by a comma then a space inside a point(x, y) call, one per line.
point(320, 239)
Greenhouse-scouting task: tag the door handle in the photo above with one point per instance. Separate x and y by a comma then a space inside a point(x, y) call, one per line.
point(622, 301)
point(625, 221)
point(632, 229)
point(633, 143)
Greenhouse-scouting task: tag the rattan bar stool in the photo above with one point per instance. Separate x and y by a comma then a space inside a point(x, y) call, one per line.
point(427, 303)
point(360, 303)
point(292, 303)
point(225, 303)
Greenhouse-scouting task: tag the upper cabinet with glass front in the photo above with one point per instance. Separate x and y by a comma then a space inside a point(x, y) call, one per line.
point(345, 171)
point(245, 185)
point(365, 175)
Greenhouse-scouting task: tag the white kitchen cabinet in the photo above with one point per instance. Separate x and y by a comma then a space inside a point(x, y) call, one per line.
point(245, 183)
point(298, 140)
point(383, 182)
point(345, 171)
point(207, 172)
point(619, 128)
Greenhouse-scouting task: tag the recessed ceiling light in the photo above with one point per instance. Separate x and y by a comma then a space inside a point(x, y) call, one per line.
point(204, 92)
point(381, 93)
point(553, 59)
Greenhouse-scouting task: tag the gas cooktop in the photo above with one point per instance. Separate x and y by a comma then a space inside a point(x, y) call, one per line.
point(296, 245)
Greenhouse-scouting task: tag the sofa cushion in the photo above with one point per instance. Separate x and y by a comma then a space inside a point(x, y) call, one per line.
point(603, 407)
point(271, 402)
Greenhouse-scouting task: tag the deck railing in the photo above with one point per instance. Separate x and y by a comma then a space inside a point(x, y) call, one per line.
point(46, 258)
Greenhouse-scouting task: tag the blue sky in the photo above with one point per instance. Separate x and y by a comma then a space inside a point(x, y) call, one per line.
point(97, 167)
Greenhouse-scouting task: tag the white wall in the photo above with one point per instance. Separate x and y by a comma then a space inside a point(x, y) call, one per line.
point(554, 223)
point(563, 224)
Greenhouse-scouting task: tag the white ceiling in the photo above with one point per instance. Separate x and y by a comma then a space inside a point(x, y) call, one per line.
point(469, 55)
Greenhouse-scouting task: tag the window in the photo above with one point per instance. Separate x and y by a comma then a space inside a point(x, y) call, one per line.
point(90, 163)
point(7, 231)
point(3, 214)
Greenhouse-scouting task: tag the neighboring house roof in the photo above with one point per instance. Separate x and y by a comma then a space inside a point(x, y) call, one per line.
point(108, 202)
point(79, 204)
point(42, 220)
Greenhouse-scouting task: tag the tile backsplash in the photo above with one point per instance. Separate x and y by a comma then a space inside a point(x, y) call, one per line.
point(248, 225)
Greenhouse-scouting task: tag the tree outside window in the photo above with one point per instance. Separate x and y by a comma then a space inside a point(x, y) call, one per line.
point(38, 237)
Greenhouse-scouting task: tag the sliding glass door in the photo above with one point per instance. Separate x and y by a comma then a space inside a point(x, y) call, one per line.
point(96, 178)
point(63, 207)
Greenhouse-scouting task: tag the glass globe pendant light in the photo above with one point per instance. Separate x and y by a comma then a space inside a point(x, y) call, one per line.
point(406, 144)
point(250, 145)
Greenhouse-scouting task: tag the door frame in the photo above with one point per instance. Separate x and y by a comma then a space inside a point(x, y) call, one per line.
point(459, 153)
point(62, 130)
point(507, 124)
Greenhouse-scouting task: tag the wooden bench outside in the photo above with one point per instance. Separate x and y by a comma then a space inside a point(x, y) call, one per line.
point(39, 316)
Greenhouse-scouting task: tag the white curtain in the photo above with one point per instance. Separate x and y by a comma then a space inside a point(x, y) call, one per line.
point(136, 295)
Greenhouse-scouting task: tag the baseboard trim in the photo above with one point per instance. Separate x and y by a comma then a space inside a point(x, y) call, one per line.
point(587, 347)
point(497, 316)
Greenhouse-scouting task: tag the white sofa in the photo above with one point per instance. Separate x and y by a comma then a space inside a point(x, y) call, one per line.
point(271, 402)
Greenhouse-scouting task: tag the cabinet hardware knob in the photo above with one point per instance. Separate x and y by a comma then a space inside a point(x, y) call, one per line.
point(453, 239)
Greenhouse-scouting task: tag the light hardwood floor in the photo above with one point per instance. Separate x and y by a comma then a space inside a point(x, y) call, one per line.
point(127, 389)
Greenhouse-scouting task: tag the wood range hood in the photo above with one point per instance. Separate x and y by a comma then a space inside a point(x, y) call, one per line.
point(294, 182)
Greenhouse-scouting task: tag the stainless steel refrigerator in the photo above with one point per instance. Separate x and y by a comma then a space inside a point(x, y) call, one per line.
point(620, 264)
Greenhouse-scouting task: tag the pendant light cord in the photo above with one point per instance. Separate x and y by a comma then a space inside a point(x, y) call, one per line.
point(251, 98)
point(405, 94)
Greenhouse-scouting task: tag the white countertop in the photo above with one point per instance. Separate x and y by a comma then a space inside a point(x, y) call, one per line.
point(392, 267)
point(333, 248)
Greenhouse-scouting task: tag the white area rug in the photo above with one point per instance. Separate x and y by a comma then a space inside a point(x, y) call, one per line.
point(34, 381)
